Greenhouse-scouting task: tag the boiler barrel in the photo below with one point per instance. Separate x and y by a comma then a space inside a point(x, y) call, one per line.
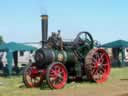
point(47, 56)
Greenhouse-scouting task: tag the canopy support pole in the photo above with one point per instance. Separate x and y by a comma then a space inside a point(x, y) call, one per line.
point(123, 56)
point(9, 61)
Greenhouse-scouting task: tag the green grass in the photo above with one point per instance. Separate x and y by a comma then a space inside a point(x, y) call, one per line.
point(119, 73)
point(13, 86)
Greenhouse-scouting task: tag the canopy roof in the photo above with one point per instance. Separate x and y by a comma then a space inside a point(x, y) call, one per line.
point(116, 44)
point(12, 46)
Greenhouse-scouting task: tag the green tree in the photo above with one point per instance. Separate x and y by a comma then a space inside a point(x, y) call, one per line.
point(1, 39)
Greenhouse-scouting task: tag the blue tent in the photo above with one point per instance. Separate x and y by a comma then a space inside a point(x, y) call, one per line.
point(116, 44)
point(13, 47)
point(122, 44)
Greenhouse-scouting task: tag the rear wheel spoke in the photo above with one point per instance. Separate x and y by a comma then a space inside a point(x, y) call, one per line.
point(105, 65)
point(94, 61)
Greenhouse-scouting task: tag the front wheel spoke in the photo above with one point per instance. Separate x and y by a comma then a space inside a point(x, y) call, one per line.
point(53, 82)
point(36, 79)
point(61, 76)
point(62, 72)
point(53, 71)
point(33, 81)
point(52, 75)
point(58, 70)
point(52, 79)
point(60, 80)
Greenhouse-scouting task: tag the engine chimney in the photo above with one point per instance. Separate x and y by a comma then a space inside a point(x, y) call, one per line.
point(44, 26)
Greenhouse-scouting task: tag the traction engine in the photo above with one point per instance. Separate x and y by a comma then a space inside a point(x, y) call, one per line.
point(59, 61)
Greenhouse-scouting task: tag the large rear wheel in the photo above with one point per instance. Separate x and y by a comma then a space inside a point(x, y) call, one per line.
point(56, 75)
point(97, 65)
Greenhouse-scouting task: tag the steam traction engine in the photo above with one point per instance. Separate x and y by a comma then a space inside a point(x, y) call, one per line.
point(57, 61)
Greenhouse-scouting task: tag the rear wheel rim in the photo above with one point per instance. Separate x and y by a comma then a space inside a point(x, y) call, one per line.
point(98, 65)
point(57, 76)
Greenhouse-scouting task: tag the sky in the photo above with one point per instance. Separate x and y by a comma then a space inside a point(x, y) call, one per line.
point(106, 20)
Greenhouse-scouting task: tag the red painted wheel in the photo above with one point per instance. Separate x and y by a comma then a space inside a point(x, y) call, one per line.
point(56, 75)
point(97, 65)
point(31, 76)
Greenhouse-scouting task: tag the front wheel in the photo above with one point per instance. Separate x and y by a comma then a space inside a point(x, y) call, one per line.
point(31, 77)
point(56, 75)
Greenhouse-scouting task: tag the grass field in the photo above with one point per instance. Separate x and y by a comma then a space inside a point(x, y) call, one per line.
point(117, 85)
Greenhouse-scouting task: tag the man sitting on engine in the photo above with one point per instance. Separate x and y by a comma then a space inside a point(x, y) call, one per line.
point(55, 41)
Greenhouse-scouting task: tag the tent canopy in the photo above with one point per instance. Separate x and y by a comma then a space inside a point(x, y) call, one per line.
point(116, 44)
point(12, 46)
